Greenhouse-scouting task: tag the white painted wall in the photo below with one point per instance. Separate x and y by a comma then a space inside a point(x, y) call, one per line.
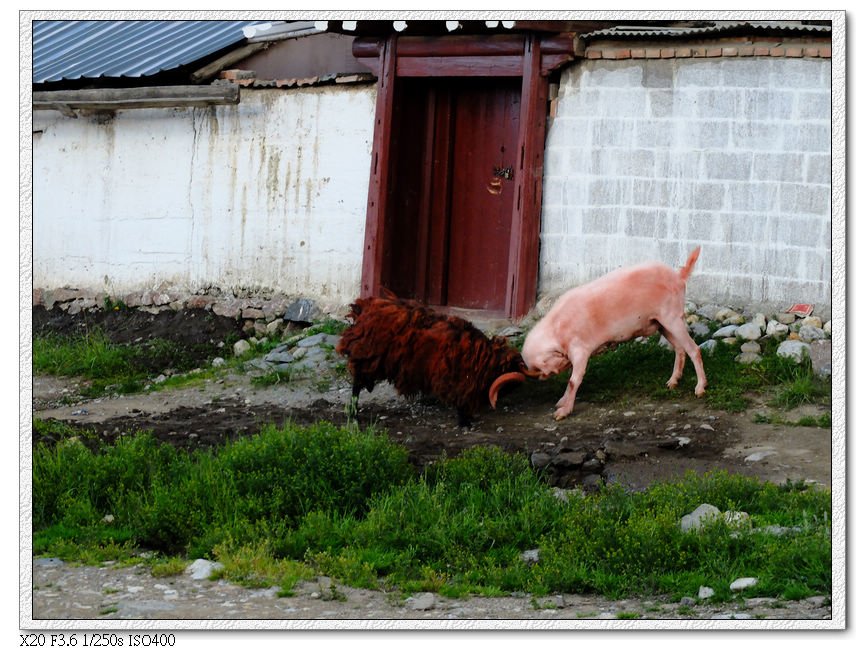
point(648, 158)
point(270, 194)
point(644, 160)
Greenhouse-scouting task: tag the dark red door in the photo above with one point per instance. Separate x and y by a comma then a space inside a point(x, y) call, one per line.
point(485, 140)
point(451, 206)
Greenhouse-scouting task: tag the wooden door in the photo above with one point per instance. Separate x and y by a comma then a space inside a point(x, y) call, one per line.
point(485, 140)
point(450, 207)
point(429, 233)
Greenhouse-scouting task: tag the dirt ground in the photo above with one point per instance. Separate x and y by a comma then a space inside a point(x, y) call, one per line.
point(633, 442)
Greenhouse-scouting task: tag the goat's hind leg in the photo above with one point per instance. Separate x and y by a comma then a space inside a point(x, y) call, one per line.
point(678, 336)
point(679, 363)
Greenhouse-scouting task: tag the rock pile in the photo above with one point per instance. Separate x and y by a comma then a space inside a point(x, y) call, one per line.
point(262, 315)
point(300, 352)
point(802, 337)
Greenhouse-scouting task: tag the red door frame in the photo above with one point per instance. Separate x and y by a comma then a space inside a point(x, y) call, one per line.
point(530, 57)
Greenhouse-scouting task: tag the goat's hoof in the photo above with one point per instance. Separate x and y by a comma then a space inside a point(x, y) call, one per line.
point(561, 414)
point(699, 392)
point(672, 384)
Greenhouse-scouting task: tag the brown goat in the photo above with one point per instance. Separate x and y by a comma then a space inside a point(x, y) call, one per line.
point(422, 352)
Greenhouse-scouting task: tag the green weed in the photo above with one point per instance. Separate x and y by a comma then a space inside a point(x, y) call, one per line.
point(111, 367)
point(294, 502)
point(273, 378)
point(173, 566)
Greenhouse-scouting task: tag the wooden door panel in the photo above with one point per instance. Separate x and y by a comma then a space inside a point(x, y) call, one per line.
point(448, 218)
point(485, 138)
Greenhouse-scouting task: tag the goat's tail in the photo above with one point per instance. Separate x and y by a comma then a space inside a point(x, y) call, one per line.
point(685, 271)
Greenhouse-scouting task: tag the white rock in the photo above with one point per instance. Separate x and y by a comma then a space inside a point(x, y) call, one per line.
point(751, 346)
point(202, 569)
point(737, 518)
point(737, 319)
point(777, 531)
point(705, 592)
point(821, 358)
point(217, 362)
point(785, 318)
point(759, 455)
point(725, 332)
point(827, 327)
point(748, 357)
point(742, 583)
point(810, 333)
point(241, 347)
point(749, 332)
point(709, 346)
point(813, 321)
point(703, 513)
point(422, 601)
point(759, 320)
point(792, 349)
point(532, 556)
point(708, 311)
point(774, 328)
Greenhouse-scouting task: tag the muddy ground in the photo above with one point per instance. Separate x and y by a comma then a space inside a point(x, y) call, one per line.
point(633, 441)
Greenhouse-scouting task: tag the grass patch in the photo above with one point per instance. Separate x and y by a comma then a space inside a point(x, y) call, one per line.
point(112, 367)
point(173, 501)
point(274, 378)
point(327, 326)
point(824, 420)
point(168, 567)
point(640, 369)
point(294, 502)
point(129, 368)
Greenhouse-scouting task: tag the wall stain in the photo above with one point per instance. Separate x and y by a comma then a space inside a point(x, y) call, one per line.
point(272, 182)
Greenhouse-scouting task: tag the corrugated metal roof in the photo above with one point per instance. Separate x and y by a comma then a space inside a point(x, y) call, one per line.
point(714, 29)
point(76, 49)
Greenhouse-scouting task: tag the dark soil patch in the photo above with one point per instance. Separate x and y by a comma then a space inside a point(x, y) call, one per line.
point(166, 340)
point(192, 327)
point(634, 448)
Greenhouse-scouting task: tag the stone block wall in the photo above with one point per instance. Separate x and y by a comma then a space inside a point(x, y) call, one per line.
point(648, 158)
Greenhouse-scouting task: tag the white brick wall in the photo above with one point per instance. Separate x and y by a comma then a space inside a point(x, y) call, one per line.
point(648, 158)
point(270, 194)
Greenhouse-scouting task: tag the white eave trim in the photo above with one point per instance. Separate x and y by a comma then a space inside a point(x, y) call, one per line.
point(280, 31)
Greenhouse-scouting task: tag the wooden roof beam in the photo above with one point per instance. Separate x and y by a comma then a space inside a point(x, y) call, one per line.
point(112, 99)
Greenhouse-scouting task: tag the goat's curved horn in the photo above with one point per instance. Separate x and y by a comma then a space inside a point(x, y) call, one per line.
point(506, 378)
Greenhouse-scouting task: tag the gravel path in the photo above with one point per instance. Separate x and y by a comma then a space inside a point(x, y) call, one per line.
point(111, 593)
